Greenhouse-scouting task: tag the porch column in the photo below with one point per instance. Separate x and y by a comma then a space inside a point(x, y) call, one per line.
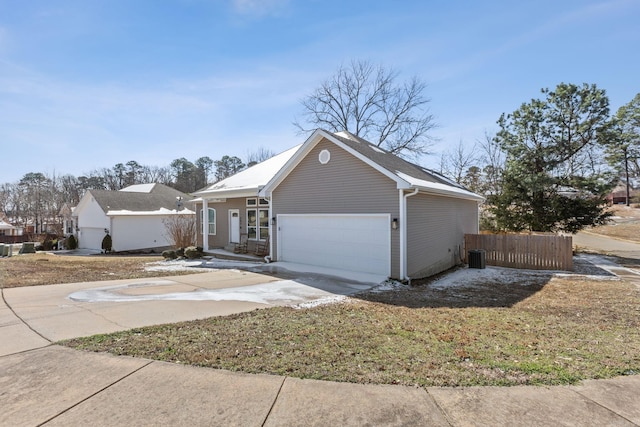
point(205, 225)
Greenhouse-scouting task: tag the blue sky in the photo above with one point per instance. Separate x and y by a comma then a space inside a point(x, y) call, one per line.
point(86, 84)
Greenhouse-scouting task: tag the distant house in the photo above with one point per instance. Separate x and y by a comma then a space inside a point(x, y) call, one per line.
point(133, 216)
point(340, 202)
point(8, 229)
point(619, 194)
point(68, 220)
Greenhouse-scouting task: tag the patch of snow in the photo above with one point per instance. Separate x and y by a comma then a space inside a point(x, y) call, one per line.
point(161, 211)
point(175, 265)
point(477, 276)
point(139, 188)
point(251, 178)
point(199, 264)
point(283, 292)
point(388, 285)
point(335, 299)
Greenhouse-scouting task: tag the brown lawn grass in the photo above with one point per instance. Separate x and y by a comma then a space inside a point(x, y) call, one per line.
point(49, 269)
point(625, 225)
point(547, 331)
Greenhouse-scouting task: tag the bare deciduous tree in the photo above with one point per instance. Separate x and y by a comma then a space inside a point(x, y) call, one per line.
point(259, 155)
point(456, 163)
point(181, 230)
point(494, 159)
point(367, 101)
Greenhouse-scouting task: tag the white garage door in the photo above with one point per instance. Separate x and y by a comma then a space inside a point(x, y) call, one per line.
point(90, 238)
point(346, 242)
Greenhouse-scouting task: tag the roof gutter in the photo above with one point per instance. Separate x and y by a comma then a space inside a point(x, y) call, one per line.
point(442, 192)
point(228, 193)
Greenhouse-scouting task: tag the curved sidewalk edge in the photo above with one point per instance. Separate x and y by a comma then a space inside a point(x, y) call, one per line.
point(60, 386)
point(16, 335)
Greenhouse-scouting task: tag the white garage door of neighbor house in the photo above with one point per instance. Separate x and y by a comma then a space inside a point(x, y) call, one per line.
point(346, 242)
point(90, 238)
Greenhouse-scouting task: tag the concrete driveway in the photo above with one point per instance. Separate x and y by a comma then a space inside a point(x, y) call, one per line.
point(33, 317)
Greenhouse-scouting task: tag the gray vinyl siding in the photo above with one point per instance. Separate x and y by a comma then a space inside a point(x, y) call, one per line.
point(221, 238)
point(435, 234)
point(345, 185)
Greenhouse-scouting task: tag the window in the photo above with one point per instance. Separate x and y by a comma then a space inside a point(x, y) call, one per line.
point(212, 221)
point(253, 202)
point(258, 224)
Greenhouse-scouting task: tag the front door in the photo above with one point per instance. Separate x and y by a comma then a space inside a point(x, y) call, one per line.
point(234, 226)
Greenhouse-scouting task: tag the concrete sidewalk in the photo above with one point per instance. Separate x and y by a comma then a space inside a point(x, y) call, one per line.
point(46, 384)
point(60, 386)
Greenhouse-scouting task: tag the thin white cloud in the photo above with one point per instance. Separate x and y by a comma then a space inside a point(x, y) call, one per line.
point(98, 125)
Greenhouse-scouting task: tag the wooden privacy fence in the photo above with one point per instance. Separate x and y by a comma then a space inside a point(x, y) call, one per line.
point(535, 252)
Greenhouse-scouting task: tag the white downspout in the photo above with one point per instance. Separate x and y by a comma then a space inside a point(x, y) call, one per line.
point(272, 226)
point(205, 225)
point(403, 232)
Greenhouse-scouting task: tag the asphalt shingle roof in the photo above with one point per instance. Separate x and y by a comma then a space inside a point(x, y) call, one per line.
point(160, 196)
point(392, 162)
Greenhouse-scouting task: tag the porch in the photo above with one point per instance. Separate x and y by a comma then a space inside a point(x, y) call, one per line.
point(223, 253)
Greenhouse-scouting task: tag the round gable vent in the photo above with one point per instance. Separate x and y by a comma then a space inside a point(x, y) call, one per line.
point(324, 157)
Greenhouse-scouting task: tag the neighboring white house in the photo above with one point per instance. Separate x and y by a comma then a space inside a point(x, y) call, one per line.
point(134, 217)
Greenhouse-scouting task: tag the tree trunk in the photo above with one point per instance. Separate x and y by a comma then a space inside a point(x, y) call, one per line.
point(626, 172)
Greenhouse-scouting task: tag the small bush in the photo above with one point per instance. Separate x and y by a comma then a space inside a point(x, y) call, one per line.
point(192, 252)
point(107, 244)
point(48, 244)
point(71, 243)
point(169, 254)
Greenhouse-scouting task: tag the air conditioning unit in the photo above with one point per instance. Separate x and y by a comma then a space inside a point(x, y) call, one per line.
point(477, 258)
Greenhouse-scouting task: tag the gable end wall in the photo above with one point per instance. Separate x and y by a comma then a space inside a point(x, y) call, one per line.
point(344, 185)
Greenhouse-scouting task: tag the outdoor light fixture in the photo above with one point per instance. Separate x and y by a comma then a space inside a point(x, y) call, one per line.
point(178, 202)
point(273, 220)
point(394, 223)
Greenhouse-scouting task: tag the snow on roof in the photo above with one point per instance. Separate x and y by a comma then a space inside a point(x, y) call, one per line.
point(251, 179)
point(439, 188)
point(139, 188)
point(159, 212)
